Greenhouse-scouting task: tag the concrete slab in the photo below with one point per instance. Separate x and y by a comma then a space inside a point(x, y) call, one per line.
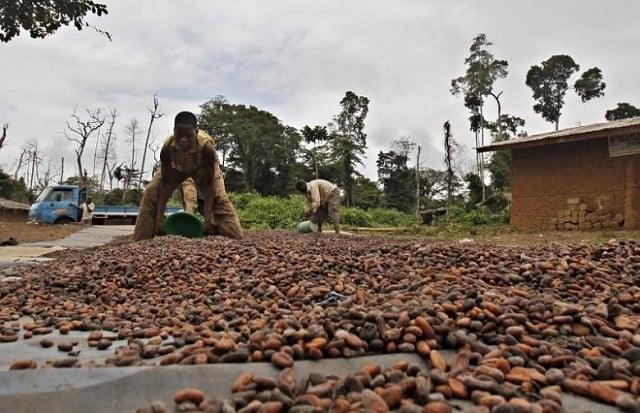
point(26, 251)
point(91, 236)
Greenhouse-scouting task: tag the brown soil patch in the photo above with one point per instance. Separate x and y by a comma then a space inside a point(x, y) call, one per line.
point(24, 232)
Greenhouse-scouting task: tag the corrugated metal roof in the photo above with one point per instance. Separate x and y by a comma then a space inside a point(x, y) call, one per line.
point(7, 204)
point(596, 130)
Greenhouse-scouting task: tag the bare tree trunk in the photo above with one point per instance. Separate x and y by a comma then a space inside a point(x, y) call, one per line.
point(448, 150)
point(83, 130)
point(34, 157)
point(15, 175)
point(95, 154)
point(484, 189)
point(154, 115)
point(4, 134)
point(418, 183)
point(62, 171)
point(113, 115)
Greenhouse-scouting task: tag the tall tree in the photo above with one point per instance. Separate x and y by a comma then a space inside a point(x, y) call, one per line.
point(395, 176)
point(42, 18)
point(366, 193)
point(448, 161)
point(474, 187)
point(348, 140)
point(133, 131)
point(483, 70)
point(590, 85)
point(82, 130)
point(318, 137)
point(433, 187)
point(155, 114)
point(254, 142)
point(550, 82)
point(505, 127)
point(622, 111)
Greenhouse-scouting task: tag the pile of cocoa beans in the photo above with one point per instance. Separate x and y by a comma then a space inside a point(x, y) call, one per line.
point(527, 323)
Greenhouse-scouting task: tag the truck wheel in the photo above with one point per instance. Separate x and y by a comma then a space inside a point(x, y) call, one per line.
point(63, 220)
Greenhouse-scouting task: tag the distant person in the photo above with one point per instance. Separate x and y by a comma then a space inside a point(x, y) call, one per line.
point(87, 211)
point(322, 198)
point(188, 153)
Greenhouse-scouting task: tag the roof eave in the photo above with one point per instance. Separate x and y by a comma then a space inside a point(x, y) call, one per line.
point(551, 140)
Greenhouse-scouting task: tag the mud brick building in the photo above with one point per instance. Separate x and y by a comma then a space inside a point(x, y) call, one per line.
point(579, 178)
point(13, 211)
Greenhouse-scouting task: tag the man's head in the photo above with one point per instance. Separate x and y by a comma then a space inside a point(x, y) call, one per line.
point(301, 186)
point(89, 200)
point(185, 128)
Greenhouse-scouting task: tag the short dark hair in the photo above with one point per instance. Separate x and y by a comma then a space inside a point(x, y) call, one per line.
point(186, 118)
point(301, 186)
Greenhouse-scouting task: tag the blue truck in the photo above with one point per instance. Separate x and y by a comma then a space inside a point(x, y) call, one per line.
point(60, 204)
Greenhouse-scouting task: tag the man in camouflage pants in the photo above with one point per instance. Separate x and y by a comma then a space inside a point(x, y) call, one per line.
point(188, 153)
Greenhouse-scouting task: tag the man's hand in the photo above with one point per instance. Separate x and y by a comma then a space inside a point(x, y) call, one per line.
point(307, 215)
point(209, 228)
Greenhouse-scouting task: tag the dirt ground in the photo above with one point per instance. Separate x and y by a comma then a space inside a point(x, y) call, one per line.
point(23, 232)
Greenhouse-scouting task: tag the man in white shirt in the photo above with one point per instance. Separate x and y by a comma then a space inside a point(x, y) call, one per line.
point(87, 211)
point(322, 198)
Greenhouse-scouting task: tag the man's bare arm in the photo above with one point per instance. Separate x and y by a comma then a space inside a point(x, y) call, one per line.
point(164, 191)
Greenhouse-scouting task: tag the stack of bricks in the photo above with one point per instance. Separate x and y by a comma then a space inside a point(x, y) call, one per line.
point(579, 216)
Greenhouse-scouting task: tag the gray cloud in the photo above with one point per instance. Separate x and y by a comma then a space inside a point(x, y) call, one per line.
point(297, 59)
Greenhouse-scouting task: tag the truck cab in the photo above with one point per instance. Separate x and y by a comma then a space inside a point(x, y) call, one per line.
point(58, 204)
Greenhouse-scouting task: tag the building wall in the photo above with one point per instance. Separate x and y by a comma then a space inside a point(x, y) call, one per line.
point(545, 178)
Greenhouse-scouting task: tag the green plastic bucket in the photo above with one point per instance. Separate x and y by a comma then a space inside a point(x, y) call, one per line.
point(307, 226)
point(183, 224)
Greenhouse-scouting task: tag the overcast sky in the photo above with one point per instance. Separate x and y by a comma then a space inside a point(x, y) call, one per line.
point(297, 58)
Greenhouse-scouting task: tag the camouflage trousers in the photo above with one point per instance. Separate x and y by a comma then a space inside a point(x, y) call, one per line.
point(225, 218)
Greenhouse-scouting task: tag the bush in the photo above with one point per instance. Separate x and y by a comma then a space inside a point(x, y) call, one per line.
point(261, 212)
point(355, 217)
point(478, 217)
point(256, 212)
point(382, 217)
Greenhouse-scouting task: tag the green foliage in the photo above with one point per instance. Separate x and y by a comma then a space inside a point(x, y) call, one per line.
point(622, 111)
point(348, 141)
point(382, 217)
point(257, 212)
point(255, 143)
point(355, 217)
point(590, 85)
point(318, 156)
point(260, 212)
point(475, 189)
point(114, 197)
point(366, 193)
point(500, 169)
point(549, 83)
point(15, 190)
point(461, 221)
point(398, 181)
point(482, 72)
point(42, 18)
